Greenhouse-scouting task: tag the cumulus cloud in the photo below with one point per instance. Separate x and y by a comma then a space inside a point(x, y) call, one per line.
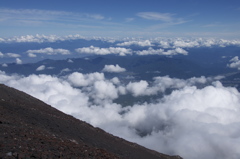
point(104, 51)
point(139, 88)
point(235, 63)
point(31, 55)
point(163, 42)
point(79, 80)
point(195, 43)
point(1, 54)
point(18, 61)
point(4, 65)
point(190, 121)
point(11, 55)
point(48, 51)
point(139, 43)
point(41, 68)
point(152, 51)
point(41, 38)
point(113, 68)
point(70, 61)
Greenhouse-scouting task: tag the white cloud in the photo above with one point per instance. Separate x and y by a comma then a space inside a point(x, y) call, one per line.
point(40, 17)
point(166, 17)
point(79, 80)
point(95, 16)
point(18, 61)
point(42, 38)
point(139, 43)
point(70, 61)
point(65, 70)
point(104, 90)
point(207, 118)
point(4, 65)
point(139, 88)
point(163, 42)
point(235, 63)
point(41, 68)
point(12, 55)
point(185, 44)
point(113, 68)
point(48, 51)
point(104, 51)
point(152, 51)
point(1, 54)
point(32, 55)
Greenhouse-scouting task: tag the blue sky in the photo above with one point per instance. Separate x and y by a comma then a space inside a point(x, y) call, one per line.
point(206, 18)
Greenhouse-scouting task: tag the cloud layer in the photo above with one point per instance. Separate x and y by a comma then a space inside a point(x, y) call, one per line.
point(48, 51)
point(104, 51)
point(193, 122)
point(138, 43)
point(235, 63)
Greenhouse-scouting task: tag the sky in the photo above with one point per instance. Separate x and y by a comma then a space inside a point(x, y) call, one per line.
point(111, 18)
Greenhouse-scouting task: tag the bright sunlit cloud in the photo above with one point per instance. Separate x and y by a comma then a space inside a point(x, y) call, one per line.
point(206, 118)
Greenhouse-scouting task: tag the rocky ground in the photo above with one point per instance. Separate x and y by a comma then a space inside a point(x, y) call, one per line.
point(30, 128)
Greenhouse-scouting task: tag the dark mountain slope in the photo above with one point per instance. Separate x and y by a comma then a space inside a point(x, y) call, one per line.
point(30, 128)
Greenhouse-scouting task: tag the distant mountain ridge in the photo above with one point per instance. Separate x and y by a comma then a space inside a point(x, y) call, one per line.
point(144, 66)
point(30, 128)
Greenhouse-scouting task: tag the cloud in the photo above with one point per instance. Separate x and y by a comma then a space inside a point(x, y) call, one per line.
point(200, 42)
point(235, 63)
point(1, 54)
point(31, 55)
point(129, 19)
point(48, 51)
point(104, 90)
point(70, 61)
point(104, 51)
point(139, 43)
point(12, 55)
point(152, 51)
point(4, 65)
point(166, 43)
point(95, 16)
point(18, 61)
point(113, 69)
point(80, 80)
point(40, 17)
point(41, 68)
point(139, 88)
point(166, 17)
point(41, 38)
point(190, 121)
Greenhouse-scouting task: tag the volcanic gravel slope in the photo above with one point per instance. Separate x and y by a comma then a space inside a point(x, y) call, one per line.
point(30, 128)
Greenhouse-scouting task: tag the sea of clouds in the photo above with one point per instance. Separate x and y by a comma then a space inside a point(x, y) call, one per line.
point(195, 118)
point(190, 121)
point(116, 46)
